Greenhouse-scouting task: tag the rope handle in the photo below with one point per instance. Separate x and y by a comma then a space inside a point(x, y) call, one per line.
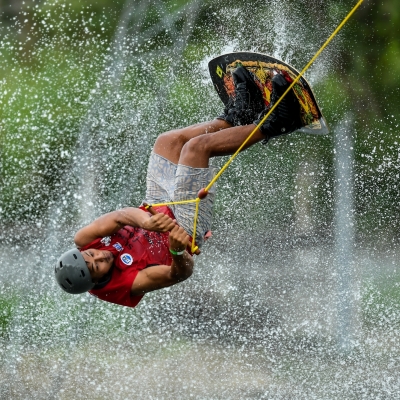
point(150, 209)
point(194, 249)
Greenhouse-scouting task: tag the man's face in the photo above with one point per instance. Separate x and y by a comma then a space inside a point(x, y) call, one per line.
point(99, 262)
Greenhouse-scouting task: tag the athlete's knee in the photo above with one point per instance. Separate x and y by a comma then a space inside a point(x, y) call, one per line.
point(196, 146)
point(174, 139)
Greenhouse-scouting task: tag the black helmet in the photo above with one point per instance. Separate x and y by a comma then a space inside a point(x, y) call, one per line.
point(72, 273)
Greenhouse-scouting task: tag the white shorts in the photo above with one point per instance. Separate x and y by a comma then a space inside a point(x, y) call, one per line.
point(168, 182)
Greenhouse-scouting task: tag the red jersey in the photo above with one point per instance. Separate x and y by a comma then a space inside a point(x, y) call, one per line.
point(133, 249)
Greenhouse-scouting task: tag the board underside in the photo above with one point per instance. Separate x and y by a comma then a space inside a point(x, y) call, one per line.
point(263, 67)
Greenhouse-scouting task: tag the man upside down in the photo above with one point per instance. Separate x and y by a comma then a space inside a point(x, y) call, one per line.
point(127, 253)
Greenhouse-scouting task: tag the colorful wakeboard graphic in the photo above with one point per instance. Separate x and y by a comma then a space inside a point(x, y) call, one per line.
point(263, 67)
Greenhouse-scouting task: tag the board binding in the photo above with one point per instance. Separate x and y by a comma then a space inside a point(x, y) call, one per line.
point(263, 66)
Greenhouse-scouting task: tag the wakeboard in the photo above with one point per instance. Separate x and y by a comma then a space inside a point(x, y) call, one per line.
point(263, 67)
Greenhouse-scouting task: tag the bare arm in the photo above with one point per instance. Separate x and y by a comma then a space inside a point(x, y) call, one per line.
point(160, 276)
point(112, 222)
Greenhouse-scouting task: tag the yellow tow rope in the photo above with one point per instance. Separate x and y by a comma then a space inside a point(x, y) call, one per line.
point(203, 192)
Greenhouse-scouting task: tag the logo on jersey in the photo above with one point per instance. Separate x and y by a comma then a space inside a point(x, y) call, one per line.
point(117, 246)
point(127, 259)
point(106, 240)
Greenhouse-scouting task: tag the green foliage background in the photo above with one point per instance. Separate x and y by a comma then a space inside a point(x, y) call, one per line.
point(67, 88)
point(54, 52)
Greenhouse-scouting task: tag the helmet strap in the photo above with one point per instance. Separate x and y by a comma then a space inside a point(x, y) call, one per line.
point(104, 280)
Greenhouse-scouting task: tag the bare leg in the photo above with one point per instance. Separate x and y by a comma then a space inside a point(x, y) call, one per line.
point(169, 144)
point(198, 150)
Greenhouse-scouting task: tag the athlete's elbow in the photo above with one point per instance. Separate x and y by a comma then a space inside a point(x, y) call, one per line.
point(188, 273)
point(182, 274)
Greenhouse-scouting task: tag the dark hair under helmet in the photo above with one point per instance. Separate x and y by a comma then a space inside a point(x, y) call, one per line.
point(72, 273)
